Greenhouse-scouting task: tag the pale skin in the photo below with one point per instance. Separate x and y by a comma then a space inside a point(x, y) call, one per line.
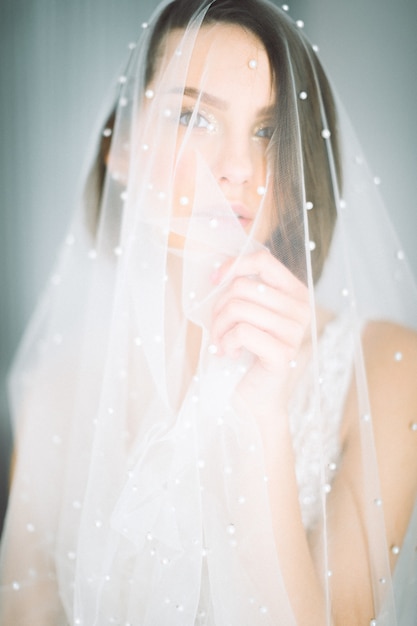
point(271, 322)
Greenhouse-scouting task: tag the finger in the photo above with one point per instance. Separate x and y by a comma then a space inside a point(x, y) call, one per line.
point(287, 331)
point(266, 268)
point(247, 289)
point(272, 353)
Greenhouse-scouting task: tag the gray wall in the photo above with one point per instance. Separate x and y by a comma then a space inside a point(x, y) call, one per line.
point(369, 48)
point(57, 60)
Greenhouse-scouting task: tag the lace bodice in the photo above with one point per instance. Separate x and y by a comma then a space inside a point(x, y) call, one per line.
point(309, 418)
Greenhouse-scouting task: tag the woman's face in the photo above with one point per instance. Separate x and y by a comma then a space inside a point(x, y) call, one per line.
point(225, 115)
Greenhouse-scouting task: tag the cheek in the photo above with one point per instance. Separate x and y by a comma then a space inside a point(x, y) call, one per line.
point(184, 184)
point(268, 219)
point(182, 199)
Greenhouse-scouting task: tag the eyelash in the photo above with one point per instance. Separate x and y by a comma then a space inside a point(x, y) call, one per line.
point(187, 115)
point(264, 132)
point(261, 132)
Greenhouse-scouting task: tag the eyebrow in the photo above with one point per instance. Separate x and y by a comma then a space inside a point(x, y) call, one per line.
point(205, 97)
point(211, 100)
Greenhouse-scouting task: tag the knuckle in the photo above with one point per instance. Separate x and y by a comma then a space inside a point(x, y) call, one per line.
point(231, 309)
point(305, 312)
point(241, 331)
point(294, 336)
point(238, 285)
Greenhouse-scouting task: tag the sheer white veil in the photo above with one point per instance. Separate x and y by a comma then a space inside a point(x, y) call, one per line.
point(140, 487)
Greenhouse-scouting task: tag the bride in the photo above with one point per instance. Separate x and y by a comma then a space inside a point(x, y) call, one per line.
point(215, 403)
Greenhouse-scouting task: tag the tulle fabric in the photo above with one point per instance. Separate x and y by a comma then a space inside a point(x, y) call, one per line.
point(140, 486)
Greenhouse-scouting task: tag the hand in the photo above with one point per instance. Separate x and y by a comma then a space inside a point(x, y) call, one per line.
point(265, 309)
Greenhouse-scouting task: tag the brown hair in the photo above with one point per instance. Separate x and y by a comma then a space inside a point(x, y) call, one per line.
point(320, 158)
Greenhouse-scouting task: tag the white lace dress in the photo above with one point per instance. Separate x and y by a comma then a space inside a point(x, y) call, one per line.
point(313, 450)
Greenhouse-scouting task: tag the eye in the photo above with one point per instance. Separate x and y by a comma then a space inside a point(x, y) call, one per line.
point(189, 116)
point(264, 132)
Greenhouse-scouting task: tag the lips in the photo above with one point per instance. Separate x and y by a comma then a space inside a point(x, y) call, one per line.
point(243, 214)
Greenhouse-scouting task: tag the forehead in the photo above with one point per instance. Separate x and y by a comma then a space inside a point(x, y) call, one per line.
point(225, 59)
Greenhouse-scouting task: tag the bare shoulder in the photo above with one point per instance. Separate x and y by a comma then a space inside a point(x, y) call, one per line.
point(390, 355)
point(390, 352)
point(384, 333)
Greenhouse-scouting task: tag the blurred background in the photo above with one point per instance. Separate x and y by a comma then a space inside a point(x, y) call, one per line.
point(58, 61)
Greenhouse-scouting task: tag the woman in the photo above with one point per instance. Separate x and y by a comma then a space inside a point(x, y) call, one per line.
point(215, 405)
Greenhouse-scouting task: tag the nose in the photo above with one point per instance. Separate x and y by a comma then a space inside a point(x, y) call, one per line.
point(235, 162)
